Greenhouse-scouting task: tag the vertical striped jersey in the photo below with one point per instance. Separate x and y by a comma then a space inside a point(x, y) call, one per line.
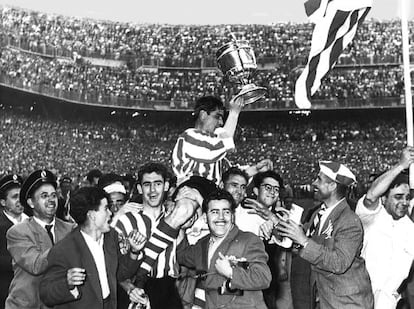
point(198, 153)
point(165, 264)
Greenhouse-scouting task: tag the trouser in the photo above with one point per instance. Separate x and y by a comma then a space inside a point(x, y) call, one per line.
point(162, 293)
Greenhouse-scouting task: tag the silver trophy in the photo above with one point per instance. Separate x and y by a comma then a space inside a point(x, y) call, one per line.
point(237, 62)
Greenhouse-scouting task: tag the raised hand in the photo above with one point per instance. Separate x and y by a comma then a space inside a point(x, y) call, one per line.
point(136, 241)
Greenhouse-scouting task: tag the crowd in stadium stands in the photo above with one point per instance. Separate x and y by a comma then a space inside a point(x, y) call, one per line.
point(78, 146)
point(284, 45)
point(182, 45)
point(96, 84)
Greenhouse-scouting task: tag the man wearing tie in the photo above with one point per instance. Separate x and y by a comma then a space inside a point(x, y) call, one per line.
point(30, 241)
point(332, 243)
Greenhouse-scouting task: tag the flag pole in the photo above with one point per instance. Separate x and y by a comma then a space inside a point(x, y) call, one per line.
point(407, 80)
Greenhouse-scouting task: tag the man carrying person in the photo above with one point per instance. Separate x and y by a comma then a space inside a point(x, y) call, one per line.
point(388, 231)
point(332, 243)
point(160, 286)
point(11, 213)
point(30, 241)
point(267, 188)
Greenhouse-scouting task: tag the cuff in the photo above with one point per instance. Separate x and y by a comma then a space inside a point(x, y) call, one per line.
point(168, 230)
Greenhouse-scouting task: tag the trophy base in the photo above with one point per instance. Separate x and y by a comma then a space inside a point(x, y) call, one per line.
point(251, 93)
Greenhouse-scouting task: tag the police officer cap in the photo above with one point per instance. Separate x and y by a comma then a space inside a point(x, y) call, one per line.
point(8, 182)
point(34, 181)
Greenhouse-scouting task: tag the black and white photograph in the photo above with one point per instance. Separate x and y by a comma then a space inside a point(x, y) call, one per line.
point(206, 155)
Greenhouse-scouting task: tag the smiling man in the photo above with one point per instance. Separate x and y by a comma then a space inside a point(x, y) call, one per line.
point(332, 243)
point(228, 284)
point(160, 286)
point(388, 239)
point(30, 241)
point(201, 151)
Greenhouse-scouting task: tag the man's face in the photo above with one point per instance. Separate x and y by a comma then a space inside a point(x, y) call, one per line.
point(44, 202)
point(213, 120)
point(102, 216)
point(11, 203)
point(397, 201)
point(236, 186)
point(117, 200)
point(268, 191)
point(152, 189)
point(220, 218)
point(322, 187)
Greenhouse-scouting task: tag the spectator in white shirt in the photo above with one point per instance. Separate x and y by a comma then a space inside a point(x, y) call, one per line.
point(388, 245)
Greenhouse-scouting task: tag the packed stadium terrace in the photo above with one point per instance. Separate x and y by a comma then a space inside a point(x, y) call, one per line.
point(281, 49)
point(180, 45)
point(178, 89)
point(76, 146)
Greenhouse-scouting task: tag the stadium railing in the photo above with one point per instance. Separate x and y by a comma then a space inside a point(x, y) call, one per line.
point(95, 98)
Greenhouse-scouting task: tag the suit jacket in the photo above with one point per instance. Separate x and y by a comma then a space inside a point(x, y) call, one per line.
point(337, 266)
point(6, 270)
point(29, 244)
point(74, 252)
point(251, 280)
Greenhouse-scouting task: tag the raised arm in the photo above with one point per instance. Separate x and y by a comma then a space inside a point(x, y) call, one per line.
point(381, 184)
point(229, 127)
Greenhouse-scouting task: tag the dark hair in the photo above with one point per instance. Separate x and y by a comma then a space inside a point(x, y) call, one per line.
point(153, 167)
point(95, 173)
point(107, 179)
point(342, 190)
point(234, 171)
point(83, 200)
point(219, 194)
point(259, 177)
point(208, 104)
point(402, 178)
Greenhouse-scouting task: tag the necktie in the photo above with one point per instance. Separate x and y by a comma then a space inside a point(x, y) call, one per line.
point(316, 220)
point(49, 232)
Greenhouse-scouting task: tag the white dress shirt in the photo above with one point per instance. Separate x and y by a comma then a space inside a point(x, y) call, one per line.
point(23, 217)
point(97, 251)
point(388, 252)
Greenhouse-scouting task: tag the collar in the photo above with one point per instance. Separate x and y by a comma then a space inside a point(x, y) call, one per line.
point(42, 223)
point(328, 210)
point(89, 239)
point(23, 216)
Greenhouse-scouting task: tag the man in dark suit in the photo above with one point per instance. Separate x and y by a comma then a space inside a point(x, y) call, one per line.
point(333, 242)
point(83, 268)
point(29, 242)
point(11, 213)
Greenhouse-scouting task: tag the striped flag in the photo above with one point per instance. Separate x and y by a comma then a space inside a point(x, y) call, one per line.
point(336, 22)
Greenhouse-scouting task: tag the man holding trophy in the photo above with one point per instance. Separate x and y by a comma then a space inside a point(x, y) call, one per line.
point(201, 151)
